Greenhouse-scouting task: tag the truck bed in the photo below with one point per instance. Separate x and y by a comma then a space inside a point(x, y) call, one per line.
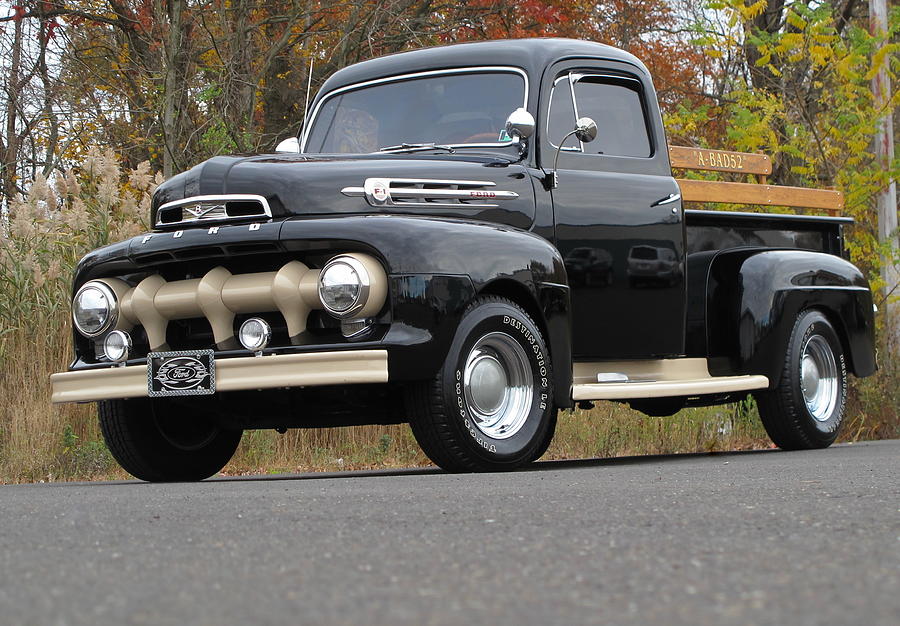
point(709, 233)
point(720, 230)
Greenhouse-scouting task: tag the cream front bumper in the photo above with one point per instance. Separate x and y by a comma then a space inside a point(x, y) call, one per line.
point(233, 374)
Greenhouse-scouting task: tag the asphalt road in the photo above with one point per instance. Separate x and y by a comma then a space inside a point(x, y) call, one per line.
point(742, 538)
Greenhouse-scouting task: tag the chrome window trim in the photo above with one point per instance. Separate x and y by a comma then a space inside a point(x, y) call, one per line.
point(228, 197)
point(574, 77)
point(580, 148)
point(401, 77)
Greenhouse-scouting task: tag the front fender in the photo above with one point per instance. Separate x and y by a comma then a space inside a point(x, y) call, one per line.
point(436, 267)
point(417, 250)
point(764, 292)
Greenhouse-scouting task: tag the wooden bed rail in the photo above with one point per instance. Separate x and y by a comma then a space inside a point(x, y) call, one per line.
point(760, 166)
point(720, 161)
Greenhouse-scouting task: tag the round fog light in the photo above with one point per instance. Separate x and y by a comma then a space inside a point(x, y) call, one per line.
point(117, 345)
point(255, 334)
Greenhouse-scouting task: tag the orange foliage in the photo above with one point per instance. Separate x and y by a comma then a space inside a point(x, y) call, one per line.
point(646, 28)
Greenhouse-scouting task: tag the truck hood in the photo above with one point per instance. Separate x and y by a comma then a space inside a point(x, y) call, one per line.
point(494, 187)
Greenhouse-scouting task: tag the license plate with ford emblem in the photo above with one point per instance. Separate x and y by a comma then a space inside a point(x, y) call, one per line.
point(188, 373)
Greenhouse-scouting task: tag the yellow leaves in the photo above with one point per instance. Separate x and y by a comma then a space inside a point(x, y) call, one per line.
point(209, 58)
point(795, 20)
point(882, 56)
point(748, 12)
point(823, 37)
point(820, 55)
point(790, 41)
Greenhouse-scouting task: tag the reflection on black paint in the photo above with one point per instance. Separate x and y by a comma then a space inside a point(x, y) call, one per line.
point(653, 267)
point(589, 266)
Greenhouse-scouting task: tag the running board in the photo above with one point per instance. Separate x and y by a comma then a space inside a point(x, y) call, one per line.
point(655, 379)
point(695, 387)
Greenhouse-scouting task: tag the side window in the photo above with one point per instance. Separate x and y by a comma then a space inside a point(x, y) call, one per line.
point(561, 117)
point(616, 106)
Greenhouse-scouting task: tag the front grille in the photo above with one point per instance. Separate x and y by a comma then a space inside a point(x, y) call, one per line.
point(224, 208)
point(176, 312)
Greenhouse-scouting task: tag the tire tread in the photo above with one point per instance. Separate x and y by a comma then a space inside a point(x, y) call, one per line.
point(121, 443)
point(133, 439)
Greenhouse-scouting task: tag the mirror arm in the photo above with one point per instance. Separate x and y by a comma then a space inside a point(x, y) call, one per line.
point(520, 126)
point(554, 173)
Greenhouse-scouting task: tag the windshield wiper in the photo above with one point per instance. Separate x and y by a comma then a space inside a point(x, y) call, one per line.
point(416, 147)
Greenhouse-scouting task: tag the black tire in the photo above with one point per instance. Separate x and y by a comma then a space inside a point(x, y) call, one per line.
point(795, 421)
point(444, 412)
point(548, 437)
point(154, 441)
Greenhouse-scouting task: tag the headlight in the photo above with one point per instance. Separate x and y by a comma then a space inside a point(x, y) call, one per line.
point(94, 308)
point(344, 286)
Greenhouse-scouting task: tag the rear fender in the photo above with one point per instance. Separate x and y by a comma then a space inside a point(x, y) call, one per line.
point(754, 296)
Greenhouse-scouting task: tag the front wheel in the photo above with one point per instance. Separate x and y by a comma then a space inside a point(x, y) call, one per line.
point(490, 407)
point(154, 441)
point(805, 409)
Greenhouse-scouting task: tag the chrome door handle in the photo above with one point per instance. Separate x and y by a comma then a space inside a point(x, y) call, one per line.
point(672, 197)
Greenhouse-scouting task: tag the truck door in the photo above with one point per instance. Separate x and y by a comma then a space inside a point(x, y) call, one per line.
point(618, 213)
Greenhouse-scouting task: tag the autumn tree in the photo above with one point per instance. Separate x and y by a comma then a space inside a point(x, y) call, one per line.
point(798, 87)
point(30, 135)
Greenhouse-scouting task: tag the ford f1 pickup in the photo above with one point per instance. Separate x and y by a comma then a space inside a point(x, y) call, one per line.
point(465, 238)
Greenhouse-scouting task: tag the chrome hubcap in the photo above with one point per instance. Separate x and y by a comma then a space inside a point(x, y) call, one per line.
point(497, 383)
point(818, 377)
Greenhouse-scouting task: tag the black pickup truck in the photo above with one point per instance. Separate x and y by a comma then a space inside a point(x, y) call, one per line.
point(468, 239)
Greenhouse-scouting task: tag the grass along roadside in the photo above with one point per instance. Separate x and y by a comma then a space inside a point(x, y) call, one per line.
point(607, 430)
point(43, 442)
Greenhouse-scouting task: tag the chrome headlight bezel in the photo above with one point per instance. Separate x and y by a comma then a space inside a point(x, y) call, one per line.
point(112, 313)
point(364, 285)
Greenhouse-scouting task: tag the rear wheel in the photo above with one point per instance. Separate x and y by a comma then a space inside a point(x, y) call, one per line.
point(154, 441)
point(490, 407)
point(805, 408)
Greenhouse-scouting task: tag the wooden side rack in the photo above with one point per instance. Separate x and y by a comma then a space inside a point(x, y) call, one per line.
point(758, 165)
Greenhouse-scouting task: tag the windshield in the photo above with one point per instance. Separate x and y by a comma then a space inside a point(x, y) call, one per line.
point(459, 108)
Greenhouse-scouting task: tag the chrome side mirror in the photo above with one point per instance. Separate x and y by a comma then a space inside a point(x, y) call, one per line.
point(520, 124)
point(585, 131)
point(291, 144)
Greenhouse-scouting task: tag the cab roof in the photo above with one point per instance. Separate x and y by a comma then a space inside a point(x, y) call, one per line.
point(532, 55)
